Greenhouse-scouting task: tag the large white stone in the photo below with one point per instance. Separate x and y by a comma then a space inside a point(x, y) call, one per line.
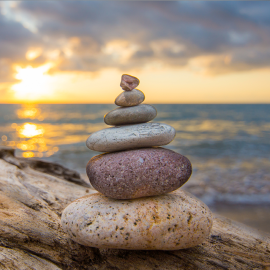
point(130, 137)
point(168, 222)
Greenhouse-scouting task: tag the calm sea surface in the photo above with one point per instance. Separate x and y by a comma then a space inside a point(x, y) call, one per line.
point(228, 145)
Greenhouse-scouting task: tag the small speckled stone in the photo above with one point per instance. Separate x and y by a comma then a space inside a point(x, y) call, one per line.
point(130, 98)
point(168, 222)
point(128, 82)
point(130, 137)
point(138, 173)
point(130, 115)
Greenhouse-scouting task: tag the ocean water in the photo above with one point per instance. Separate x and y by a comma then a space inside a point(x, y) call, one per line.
point(228, 146)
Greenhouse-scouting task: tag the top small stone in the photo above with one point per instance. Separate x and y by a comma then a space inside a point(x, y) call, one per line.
point(128, 82)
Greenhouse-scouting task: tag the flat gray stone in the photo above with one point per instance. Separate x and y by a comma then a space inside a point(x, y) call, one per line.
point(130, 115)
point(172, 221)
point(130, 98)
point(138, 173)
point(130, 137)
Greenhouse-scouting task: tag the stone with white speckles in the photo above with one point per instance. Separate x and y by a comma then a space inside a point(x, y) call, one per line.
point(172, 221)
point(130, 137)
point(138, 173)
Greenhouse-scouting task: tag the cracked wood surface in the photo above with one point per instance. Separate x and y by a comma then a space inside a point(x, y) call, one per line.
point(34, 193)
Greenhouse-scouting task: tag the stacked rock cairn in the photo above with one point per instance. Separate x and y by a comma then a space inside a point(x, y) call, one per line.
point(138, 206)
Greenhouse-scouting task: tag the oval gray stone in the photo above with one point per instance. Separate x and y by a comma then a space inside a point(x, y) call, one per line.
point(130, 137)
point(130, 115)
point(138, 173)
point(172, 221)
point(130, 98)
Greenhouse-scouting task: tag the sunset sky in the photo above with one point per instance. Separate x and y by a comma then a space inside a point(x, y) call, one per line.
point(182, 51)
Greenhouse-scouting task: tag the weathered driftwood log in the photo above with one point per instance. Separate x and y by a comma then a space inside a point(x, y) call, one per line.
point(32, 196)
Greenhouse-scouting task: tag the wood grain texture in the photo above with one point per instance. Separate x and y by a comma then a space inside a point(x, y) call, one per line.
point(31, 202)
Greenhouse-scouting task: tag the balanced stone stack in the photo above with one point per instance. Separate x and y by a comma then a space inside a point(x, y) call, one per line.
point(138, 206)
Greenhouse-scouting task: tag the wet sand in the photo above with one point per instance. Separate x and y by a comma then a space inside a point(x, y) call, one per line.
point(256, 216)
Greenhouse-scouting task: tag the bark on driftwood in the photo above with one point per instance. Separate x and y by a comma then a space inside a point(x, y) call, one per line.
point(32, 196)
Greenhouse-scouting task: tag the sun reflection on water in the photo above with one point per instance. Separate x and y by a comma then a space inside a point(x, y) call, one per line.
point(30, 130)
point(27, 113)
point(30, 111)
point(30, 138)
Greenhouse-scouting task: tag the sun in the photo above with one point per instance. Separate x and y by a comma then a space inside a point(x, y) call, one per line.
point(34, 83)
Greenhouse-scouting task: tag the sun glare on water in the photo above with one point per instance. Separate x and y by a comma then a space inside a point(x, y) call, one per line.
point(35, 83)
point(30, 130)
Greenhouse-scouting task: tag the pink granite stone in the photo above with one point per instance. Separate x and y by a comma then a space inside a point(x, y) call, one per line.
point(138, 173)
point(128, 82)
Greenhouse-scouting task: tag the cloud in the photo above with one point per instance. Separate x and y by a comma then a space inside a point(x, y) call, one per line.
point(90, 36)
point(14, 42)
